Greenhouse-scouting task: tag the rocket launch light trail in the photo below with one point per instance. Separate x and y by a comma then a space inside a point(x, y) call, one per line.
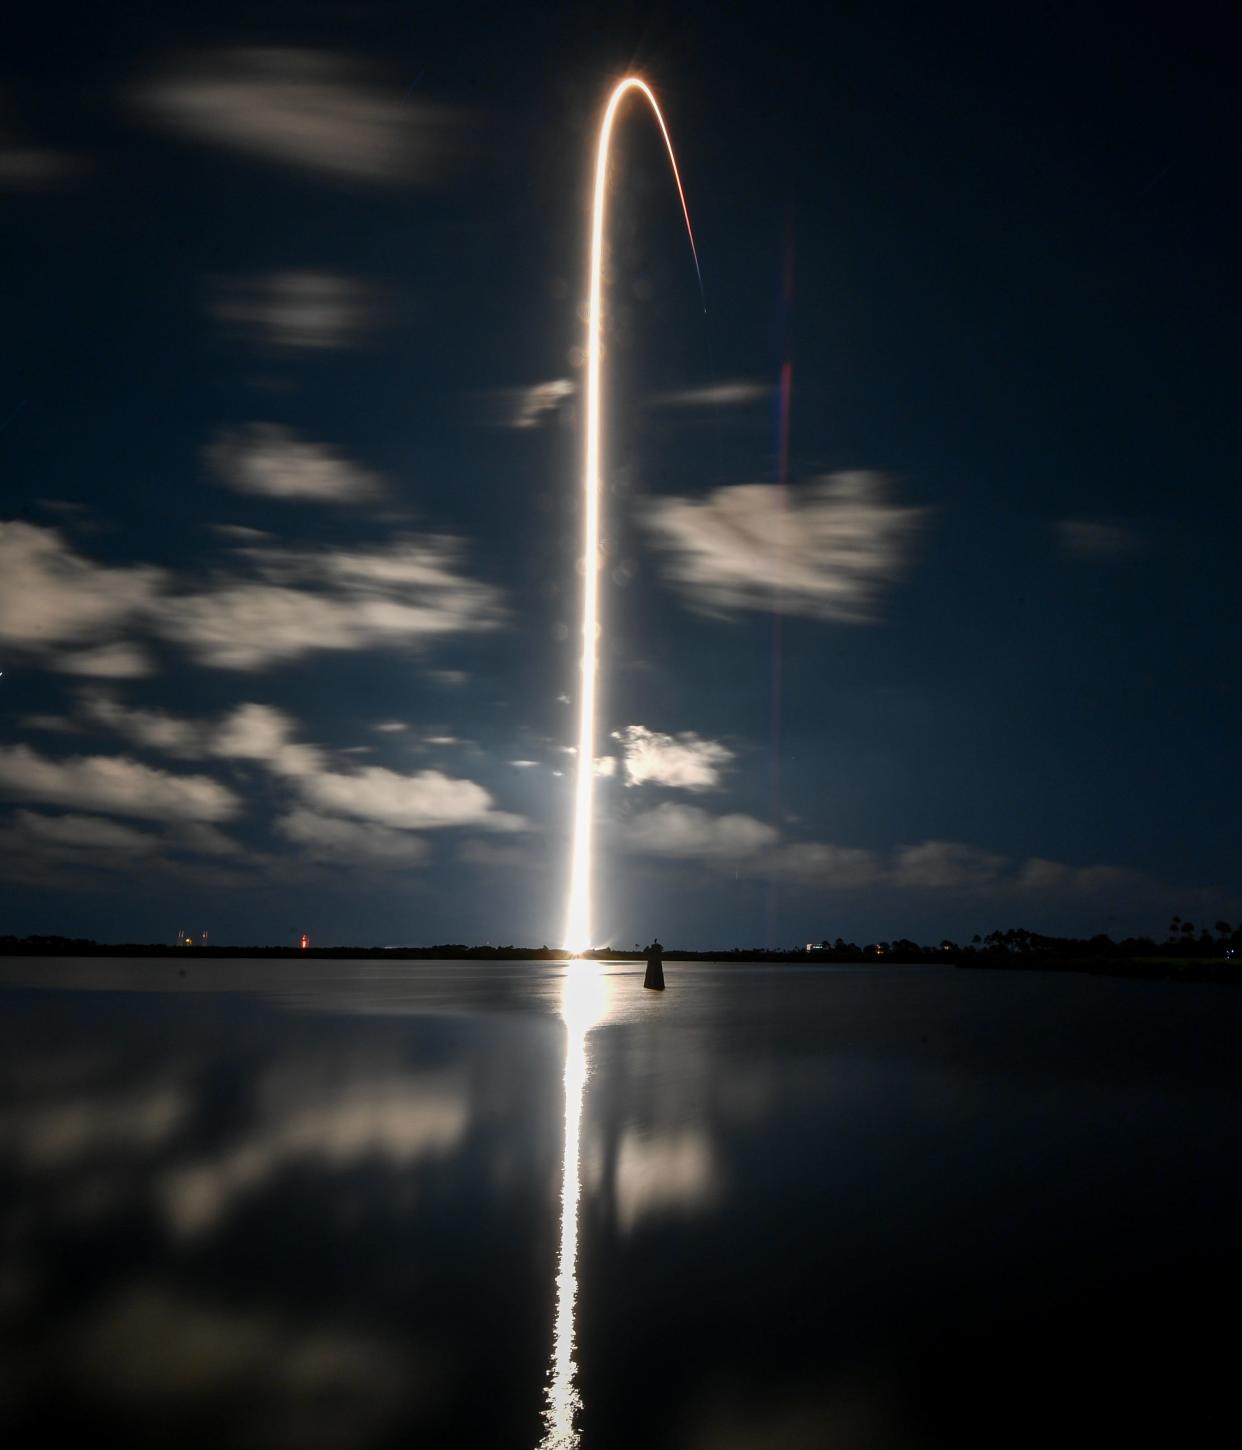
point(578, 918)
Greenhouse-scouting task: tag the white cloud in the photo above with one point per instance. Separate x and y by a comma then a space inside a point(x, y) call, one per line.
point(272, 604)
point(389, 802)
point(824, 549)
point(267, 459)
point(946, 864)
point(687, 831)
point(752, 848)
point(1096, 539)
point(390, 727)
point(262, 733)
point(684, 762)
point(1038, 874)
point(74, 835)
point(106, 662)
point(326, 838)
point(34, 168)
point(427, 800)
point(246, 626)
point(34, 845)
point(314, 110)
point(153, 729)
point(248, 732)
point(24, 167)
point(115, 785)
point(816, 863)
point(530, 406)
point(301, 602)
point(201, 839)
point(51, 597)
point(299, 310)
point(733, 394)
point(241, 534)
point(56, 724)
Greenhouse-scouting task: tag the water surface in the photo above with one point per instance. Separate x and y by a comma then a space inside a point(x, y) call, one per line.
point(320, 1203)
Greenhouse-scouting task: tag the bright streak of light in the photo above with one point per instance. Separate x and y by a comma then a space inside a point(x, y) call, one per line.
point(582, 1005)
point(578, 917)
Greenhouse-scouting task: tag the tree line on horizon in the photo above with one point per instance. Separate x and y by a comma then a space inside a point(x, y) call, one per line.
point(1184, 941)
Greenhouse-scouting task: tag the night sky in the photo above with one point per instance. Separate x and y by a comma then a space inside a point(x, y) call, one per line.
point(290, 463)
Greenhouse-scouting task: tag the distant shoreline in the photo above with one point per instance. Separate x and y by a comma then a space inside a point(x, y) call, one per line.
point(1157, 965)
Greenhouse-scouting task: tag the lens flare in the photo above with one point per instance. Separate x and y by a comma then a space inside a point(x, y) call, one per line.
point(578, 918)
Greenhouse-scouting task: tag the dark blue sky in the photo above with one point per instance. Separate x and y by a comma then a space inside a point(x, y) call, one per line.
point(290, 465)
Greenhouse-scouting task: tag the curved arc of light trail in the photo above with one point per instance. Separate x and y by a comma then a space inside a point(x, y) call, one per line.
point(578, 915)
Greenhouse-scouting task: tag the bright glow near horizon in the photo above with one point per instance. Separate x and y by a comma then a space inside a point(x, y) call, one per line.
point(578, 921)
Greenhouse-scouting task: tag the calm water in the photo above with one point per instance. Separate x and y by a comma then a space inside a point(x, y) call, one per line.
point(306, 1204)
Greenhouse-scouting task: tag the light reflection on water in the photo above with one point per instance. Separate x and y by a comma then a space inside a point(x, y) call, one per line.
point(583, 1004)
point(323, 1204)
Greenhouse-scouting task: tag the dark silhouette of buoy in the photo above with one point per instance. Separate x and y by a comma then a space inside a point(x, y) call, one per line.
point(655, 967)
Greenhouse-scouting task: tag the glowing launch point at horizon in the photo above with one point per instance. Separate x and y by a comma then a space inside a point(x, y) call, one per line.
point(578, 921)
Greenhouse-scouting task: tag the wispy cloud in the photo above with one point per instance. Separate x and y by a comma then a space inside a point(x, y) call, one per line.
point(304, 311)
point(362, 814)
point(683, 762)
point(52, 598)
point(688, 832)
point(300, 602)
point(749, 847)
point(264, 734)
point(313, 110)
point(27, 167)
point(426, 800)
point(248, 732)
point(119, 661)
point(272, 461)
point(494, 857)
point(1096, 540)
point(151, 729)
point(115, 785)
point(73, 847)
point(946, 864)
point(52, 724)
point(34, 168)
point(528, 406)
point(819, 864)
point(825, 549)
point(328, 838)
point(74, 835)
point(736, 393)
point(66, 612)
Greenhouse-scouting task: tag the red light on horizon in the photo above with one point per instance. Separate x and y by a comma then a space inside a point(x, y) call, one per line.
point(305, 941)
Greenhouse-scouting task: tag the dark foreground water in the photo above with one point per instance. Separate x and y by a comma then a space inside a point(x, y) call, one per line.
point(312, 1204)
